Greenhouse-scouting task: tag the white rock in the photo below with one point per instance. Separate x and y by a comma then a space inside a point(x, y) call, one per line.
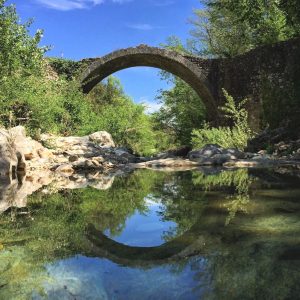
point(102, 138)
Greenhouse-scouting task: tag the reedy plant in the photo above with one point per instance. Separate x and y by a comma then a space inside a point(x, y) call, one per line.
point(236, 136)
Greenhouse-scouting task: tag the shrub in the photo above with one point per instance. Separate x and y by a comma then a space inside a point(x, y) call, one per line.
point(236, 136)
point(128, 124)
point(64, 67)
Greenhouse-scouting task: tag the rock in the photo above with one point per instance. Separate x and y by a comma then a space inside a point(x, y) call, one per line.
point(234, 153)
point(262, 152)
point(206, 152)
point(99, 159)
point(104, 183)
point(102, 138)
point(256, 162)
point(172, 153)
point(73, 158)
point(213, 154)
point(108, 165)
point(14, 192)
point(296, 156)
point(166, 163)
point(29, 148)
point(163, 155)
point(89, 164)
point(267, 137)
point(45, 153)
point(66, 168)
point(96, 163)
point(8, 157)
point(220, 159)
point(88, 146)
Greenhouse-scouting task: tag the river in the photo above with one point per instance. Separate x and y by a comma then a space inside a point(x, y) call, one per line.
point(201, 234)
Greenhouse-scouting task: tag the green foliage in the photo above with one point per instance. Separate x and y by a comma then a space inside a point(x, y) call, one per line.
point(239, 179)
point(53, 227)
point(181, 112)
point(292, 12)
point(59, 107)
point(128, 124)
point(64, 67)
point(20, 54)
point(29, 95)
point(226, 28)
point(236, 136)
point(43, 105)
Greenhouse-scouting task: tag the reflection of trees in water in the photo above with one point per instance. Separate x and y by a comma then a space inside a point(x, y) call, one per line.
point(238, 180)
point(256, 257)
point(55, 224)
point(250, 270)
point(182, 203)
point(54, 228)
point(242, 260)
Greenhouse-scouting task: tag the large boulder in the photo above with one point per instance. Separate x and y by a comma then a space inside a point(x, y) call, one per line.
point(103, 139)
point(16, 149)
point(208, 151)
point(29, 148)
point(91, 145)
point(213, 154)
point(10, 158)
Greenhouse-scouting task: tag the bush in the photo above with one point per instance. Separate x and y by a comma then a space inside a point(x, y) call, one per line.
point(19, 52)
point(64, 67)
point(44, 105)
point(236, 136)
point(128, 124)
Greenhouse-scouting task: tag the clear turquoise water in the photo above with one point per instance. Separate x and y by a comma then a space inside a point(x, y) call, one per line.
point(154, 235)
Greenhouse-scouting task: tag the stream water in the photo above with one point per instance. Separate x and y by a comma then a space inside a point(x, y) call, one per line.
point(203, 234)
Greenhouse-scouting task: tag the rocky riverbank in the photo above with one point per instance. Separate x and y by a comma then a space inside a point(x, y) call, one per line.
point(56, 163)
point(21, 155)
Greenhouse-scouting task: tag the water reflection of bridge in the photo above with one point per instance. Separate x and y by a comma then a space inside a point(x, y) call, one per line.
point(181, 247)
point(211, 233)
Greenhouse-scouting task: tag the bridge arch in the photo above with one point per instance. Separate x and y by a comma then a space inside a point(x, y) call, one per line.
point(145, 56)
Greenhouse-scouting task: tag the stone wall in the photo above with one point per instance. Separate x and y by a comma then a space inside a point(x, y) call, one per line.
point(269, 77)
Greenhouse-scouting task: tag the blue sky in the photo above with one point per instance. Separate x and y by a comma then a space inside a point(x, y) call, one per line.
point(79, 29)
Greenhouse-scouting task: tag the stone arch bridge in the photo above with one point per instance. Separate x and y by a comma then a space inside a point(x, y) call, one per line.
point(243, 76)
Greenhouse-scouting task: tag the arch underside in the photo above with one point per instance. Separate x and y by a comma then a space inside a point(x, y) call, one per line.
point(169, 61)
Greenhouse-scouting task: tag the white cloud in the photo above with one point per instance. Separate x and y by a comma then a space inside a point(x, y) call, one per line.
point(66, 5)
point(150, 106)
point(142, 26)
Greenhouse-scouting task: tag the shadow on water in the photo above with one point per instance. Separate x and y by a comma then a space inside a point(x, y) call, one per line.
point(216, 235)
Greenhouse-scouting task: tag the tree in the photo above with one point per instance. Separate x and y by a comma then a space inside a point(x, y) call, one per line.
point(225, 28)
point(19, 52)
point(182, 111)
point(182, 108)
